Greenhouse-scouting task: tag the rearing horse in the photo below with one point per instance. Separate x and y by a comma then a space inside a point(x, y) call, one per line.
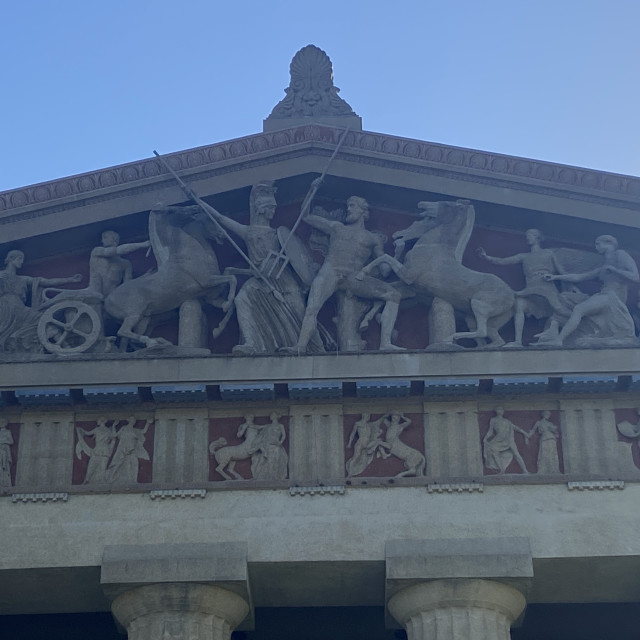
point(187, 269)
point(434, 266)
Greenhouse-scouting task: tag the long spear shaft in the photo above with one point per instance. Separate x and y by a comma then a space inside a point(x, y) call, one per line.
point(306, 203)
point(191, 194)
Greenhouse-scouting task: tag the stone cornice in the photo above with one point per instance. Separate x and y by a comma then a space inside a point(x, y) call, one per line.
point(359, 146)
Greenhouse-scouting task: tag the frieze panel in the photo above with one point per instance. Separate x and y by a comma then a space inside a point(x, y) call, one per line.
point(113, 451)
point(384, 445)
point(521, 442)
point(249, 448)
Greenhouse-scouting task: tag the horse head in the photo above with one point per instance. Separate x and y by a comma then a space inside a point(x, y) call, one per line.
point(453, 221)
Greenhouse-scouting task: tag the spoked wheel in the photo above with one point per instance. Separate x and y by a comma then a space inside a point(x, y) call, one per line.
point(69, 327)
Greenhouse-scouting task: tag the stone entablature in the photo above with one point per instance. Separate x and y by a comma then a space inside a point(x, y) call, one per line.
point(545, 438)
point(197, 162)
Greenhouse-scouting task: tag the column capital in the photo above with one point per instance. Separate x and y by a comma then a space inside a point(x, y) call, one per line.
point(454, 608)
point(178, 610)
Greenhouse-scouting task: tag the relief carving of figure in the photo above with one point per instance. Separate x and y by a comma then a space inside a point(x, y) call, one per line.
point(269, 308)
point(414, 461)
point(366, 434)
point(270, 461)
point(433, 267)
point(499, 447)
point(227, 456)
point(187, 269)
point(540, 298)
point(628, 429)
point(129, 451)
point(262, 443)
point(6, 440)
point(18, 320)
point(610, 322)
point(548, 448)
point(100, 454)
point(351, 247)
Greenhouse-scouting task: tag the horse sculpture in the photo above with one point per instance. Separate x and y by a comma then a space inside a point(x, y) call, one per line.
point(434, 267)
point(187, 269)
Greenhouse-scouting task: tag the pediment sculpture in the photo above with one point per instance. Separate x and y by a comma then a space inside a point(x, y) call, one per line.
point(291, 299)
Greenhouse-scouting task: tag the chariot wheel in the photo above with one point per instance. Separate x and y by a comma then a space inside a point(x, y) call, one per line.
point(69, 327)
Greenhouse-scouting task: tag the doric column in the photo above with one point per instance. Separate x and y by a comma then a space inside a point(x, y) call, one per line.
point(186, 591)
point(179, 611)
point(457, 608)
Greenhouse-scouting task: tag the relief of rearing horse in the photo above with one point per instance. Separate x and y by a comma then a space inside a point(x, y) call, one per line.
point(433, 266)
point(187, 269)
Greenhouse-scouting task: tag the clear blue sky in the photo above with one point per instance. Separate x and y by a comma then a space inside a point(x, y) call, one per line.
point(92, 84)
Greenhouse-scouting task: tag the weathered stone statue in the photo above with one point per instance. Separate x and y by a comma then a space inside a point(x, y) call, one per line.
point(610, 320)
point(227, 456)
point(499, 445)
point(351, 247)
point(6, 440)
point(269, 308)
point(18, 321)
point(548, 447)
point(367, 436)
point(129, 451)
point(107, 268)
point(270, 461)
point(187, 269)
point(414, 461)
point(433, 267)
point(100, 454)
point(540, 298)
point(262, 443)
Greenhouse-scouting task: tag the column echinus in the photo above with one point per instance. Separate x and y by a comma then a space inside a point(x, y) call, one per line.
point(451, 589)
point(196, 591)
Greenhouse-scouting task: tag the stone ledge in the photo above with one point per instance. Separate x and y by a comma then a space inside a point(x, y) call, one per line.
point(163, 494)
point(39, 497)
point(595, 485)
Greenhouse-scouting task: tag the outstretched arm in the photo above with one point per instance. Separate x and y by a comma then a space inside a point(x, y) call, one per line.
point(515, 259)
point(320, 223)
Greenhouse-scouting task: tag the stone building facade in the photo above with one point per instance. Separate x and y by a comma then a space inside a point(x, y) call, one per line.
point(317, 381)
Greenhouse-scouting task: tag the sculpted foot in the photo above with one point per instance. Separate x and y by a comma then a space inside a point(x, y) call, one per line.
point(512, 345)
point(391, 347)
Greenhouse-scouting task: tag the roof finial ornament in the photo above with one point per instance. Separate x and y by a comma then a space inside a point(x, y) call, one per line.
point(311, 95)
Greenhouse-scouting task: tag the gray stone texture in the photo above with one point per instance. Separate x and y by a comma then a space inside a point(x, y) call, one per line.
point(316, 443)
point(181, 446)
point(45, 451)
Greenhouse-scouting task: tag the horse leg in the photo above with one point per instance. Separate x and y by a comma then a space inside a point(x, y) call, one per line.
point(127, 331)
point(221, 471)
point(231, 468)
point(481, 312)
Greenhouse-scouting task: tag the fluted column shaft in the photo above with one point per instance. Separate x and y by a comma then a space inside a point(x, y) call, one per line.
point(456, 609)
point(179, 611)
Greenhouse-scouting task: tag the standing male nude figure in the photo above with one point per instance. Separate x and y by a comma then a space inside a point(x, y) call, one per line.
point(351, 247)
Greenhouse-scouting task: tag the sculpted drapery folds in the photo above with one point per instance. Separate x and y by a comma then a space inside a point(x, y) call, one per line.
point(269, 308)
point(18, 320)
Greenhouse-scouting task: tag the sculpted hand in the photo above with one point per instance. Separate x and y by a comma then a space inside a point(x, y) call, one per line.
point(317, 183)
point(76, 278)
point(482, 253)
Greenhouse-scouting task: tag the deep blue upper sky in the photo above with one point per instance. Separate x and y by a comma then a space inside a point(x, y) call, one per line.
point(92, 84)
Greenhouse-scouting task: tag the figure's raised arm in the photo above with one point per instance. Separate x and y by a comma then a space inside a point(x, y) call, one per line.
point(515, 259)
point(320, 223)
